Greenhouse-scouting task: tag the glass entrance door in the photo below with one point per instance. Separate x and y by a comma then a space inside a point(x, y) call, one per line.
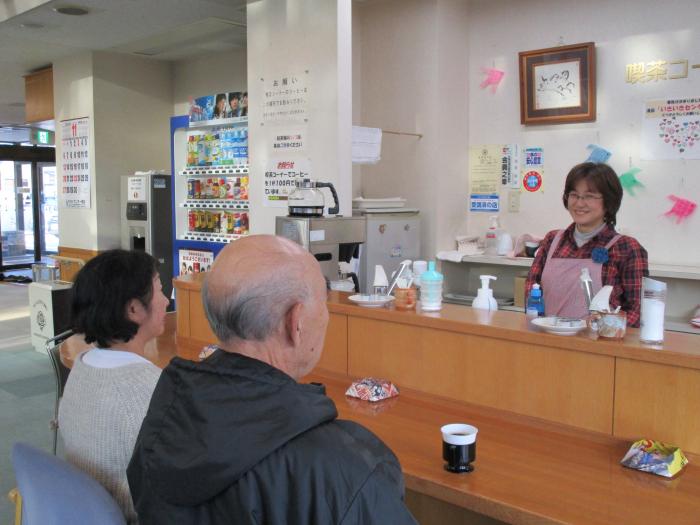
point(17, 215)
point(48, 211)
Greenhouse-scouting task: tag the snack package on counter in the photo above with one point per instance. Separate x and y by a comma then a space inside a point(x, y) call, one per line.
point(207, 351)
point(371, 389)
point(655, 457)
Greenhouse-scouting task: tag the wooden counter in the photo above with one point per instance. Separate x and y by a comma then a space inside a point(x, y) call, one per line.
point(495, 360)
point(527, 471)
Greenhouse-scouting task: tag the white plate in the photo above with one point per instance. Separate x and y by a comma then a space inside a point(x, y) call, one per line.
point(370, 301)
point(549, 324)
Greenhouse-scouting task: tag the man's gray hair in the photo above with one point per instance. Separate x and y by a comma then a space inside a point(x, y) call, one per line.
point(254, 311)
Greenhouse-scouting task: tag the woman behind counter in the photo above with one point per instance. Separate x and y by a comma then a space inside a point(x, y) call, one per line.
point(592, 195)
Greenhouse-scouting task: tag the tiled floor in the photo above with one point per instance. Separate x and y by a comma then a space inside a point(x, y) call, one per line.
point(27, 389)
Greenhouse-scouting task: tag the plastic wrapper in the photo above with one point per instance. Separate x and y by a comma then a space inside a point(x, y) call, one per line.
point(371, 389)
point(207, 351)
point(655, 457)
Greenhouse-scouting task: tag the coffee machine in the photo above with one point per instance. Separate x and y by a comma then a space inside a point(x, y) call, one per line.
point(331, 240)
point(147, 219)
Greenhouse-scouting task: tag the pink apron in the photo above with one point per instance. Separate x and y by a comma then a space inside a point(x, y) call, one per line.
point(561, 284)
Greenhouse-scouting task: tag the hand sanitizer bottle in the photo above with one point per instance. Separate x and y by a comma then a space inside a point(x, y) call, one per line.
point(484, 297)
point(491, 241)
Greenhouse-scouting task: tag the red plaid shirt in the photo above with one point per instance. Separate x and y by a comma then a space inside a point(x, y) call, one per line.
point(627, 264)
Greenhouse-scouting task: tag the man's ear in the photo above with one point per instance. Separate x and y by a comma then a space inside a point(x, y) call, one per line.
point(293, 324)
point(136, 312)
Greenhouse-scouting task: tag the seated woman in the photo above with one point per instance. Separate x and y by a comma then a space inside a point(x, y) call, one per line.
point(118, 304)
point(592, 196)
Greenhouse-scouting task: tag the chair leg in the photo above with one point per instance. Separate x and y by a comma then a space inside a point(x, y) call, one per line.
point(16, 498)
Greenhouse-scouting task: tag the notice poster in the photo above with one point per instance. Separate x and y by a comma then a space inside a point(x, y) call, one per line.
point(489, 203)
point(194, 261)
point(485, 164)
point(671, 129)
point(286, 97)
point(280, 179)
point(218, 106)
point(533, 169)
point(75, 163)
point(290, 139)
point(510, 166)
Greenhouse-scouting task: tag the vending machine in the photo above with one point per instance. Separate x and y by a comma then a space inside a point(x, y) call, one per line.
point(146, 222)
point(209, 158)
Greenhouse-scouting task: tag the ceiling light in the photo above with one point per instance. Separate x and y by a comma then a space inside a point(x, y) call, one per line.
point(71, 10)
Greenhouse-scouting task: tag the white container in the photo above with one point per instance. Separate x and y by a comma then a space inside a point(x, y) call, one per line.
point(431, 289)
point(484, 297)
point(653, 309)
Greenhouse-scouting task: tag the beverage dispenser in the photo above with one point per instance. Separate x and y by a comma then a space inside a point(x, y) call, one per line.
point(147, 219)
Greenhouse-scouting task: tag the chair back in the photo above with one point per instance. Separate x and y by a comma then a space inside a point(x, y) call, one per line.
point(53, 348)
point(55, 492)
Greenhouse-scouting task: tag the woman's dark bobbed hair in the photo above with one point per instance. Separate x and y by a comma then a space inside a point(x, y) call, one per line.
point(102, 291)
point(603, 179)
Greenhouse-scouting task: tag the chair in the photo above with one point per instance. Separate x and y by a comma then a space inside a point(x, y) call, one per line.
point(55, 492)
point(53, 347)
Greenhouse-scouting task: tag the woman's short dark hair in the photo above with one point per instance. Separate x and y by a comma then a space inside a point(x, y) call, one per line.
point(603, 179)
point(102, 291)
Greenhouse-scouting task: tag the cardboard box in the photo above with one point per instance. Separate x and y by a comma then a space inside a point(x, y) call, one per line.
point(519, 291)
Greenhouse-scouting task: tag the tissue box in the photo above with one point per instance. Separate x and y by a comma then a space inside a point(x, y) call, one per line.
point(655, 457)
point(371, 389)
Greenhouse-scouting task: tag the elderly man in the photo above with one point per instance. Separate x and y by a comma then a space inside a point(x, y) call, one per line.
point(235, 439)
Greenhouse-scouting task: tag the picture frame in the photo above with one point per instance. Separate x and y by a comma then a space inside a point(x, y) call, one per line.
point(557, 85)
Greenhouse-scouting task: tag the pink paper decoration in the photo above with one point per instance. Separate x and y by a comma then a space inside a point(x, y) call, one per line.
point(682, 208)
point(493, 78)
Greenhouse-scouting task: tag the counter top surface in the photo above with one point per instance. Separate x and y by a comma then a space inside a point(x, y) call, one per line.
point(678, 349)
point(526, 471)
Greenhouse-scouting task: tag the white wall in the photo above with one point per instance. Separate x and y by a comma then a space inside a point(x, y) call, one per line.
point(73, 98)
point(413, 69)
point(133, 104)
point(290, 37)
point(623, 33)
point(129, 102)
point(420, 68)
point(216, 73)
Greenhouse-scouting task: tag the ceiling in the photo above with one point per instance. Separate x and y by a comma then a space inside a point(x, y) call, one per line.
point(33, 35)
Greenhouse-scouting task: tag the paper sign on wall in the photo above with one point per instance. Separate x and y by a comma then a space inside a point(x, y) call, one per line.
point(75, 163)
point(671, 129)
point(280, 179)
point(485, 169)
point(488, 203)
point(533, 169)
point(290, 139)
point(286, 97)
point(510, 166)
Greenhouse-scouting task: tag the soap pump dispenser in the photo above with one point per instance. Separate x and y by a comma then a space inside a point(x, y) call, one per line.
point(484, 298)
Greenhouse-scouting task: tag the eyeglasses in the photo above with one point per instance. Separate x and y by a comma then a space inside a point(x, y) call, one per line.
point(587, 198)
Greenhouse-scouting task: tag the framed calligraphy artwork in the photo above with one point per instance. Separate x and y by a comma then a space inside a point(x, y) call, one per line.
point(557, 85)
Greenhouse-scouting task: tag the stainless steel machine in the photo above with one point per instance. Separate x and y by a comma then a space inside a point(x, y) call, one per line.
point(330, 239)
point(147, 219)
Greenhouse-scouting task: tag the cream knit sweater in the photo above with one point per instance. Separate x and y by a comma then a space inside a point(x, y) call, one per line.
point(99, 419)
